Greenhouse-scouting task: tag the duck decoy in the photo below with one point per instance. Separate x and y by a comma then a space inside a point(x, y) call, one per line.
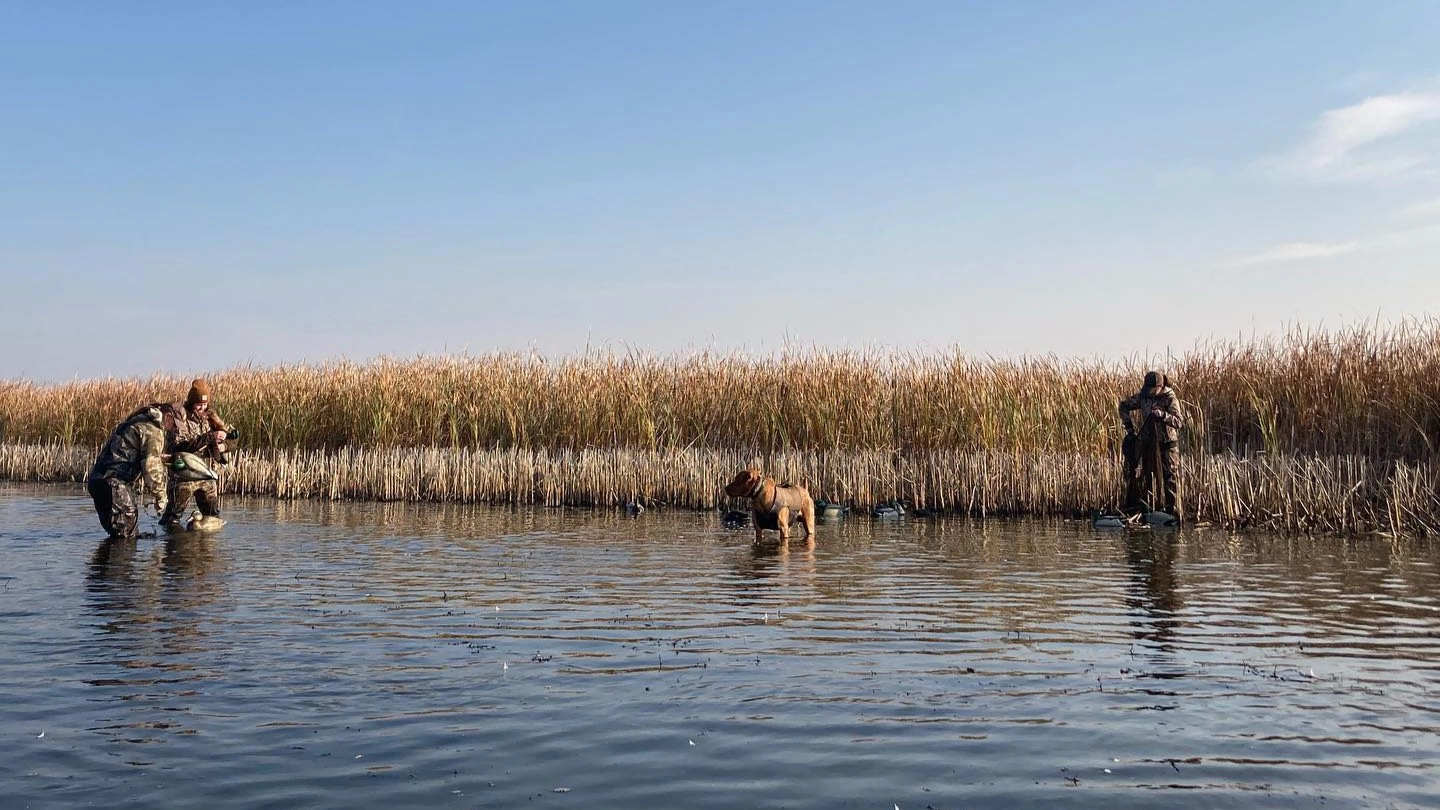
point(824, 508)
point(634, 508)
point(735, 519)
point(893, 509)
point(1161, 519)
point(1110, 522)
point(190, 467)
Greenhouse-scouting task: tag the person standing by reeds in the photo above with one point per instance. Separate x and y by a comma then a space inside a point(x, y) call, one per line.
point(1154, 445)
point(192, 427)
point(132, 453)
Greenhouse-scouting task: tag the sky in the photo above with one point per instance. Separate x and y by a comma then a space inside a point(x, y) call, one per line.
point(191, 186)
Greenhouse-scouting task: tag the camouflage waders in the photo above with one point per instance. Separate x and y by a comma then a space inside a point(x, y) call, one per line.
point(206, 494)
point(1140, 475)
point(115, 505)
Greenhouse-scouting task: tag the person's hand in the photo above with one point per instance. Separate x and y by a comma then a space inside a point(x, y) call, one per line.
point(1157, 413)
point(217, 435)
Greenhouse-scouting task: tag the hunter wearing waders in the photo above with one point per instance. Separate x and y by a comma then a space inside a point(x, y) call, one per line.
point(192, 427)
point(1152, 454)
point(130, 455)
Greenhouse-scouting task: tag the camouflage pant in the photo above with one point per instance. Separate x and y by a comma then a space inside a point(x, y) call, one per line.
point(207, 498)
point(1140, 476)
point(115, 505)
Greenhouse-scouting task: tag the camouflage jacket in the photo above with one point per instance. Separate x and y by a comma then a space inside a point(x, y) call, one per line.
point(185, 432)
point(1165, 400)
point(133, 452)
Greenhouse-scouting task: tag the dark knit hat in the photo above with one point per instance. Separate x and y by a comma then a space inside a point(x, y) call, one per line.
point(199, 392)
point(1152, 379)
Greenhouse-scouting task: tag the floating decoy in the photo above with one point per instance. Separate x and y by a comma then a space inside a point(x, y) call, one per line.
point(893, 509)
point(824, 508)
point(1161, 519)
point(198, 522)
point(1110, 522)
point(634, 508)
point(735, 518)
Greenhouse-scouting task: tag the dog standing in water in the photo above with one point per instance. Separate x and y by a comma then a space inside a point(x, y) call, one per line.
point(773, 506)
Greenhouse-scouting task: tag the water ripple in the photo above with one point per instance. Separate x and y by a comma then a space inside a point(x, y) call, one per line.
point(359, 655)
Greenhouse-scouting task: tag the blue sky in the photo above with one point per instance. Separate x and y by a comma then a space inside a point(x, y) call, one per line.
point(190, 186)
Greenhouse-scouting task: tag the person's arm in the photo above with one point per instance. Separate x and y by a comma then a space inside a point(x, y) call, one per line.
point(152, 445)
point(1127, 405)
point(1172, 417)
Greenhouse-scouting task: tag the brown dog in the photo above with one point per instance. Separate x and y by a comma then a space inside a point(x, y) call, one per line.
point(773, 506)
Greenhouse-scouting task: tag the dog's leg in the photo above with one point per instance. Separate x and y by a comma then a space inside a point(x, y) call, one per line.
point(782, 518)
point(759, 532)
point(807, 515)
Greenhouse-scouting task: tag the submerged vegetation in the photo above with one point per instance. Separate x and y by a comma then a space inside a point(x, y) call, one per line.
point(1311, 431)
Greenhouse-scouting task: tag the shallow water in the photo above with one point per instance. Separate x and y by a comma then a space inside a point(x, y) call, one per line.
point(389, 655)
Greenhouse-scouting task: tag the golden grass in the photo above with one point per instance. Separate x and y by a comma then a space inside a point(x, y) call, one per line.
point(1290, 494)
point(1356, 392)
point(1330, 420)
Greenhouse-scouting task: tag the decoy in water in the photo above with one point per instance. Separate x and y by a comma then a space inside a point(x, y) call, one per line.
point(923, 512)
point(1161, 519)
point(634, 508)
point(735, 519)
point(197, 522)
point(892, 509)
point(824, 508)
point(1110, 522)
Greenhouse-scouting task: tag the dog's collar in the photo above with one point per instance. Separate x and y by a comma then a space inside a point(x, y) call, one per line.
point(759, 485)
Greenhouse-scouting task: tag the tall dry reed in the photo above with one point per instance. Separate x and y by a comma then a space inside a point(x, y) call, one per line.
point(1289, 494)
point(1358, 392)
point(1310, 431)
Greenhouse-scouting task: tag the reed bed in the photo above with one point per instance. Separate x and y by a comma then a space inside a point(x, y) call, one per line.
point(1364, 391)
point(1349, 495)
point(1331, 430)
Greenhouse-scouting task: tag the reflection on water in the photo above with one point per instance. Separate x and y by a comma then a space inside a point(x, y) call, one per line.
point(319, 654)
point(1154, 600)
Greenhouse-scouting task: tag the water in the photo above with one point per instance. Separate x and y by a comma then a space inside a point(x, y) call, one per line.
point(372, 655)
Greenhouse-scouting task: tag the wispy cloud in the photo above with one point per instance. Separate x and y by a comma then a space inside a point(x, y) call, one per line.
point(1300, 251)
point(1366, 141)
point(1425, 209)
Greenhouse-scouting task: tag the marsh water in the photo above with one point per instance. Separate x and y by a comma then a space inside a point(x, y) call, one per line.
point(318, 654)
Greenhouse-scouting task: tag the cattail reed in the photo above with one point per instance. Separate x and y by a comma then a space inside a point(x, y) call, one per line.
point(1313, 431)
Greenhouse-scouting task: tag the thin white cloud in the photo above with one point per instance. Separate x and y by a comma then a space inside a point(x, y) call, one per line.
point(1300, 251)
point(1424, 209)
point(1366, 141)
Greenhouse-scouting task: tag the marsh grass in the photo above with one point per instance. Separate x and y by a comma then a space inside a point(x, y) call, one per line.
point(1336, 430)
point(1289, 494)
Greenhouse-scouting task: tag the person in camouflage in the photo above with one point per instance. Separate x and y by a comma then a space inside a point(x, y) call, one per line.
point(131, 454)
point(1161, 423)
point(192, 427)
